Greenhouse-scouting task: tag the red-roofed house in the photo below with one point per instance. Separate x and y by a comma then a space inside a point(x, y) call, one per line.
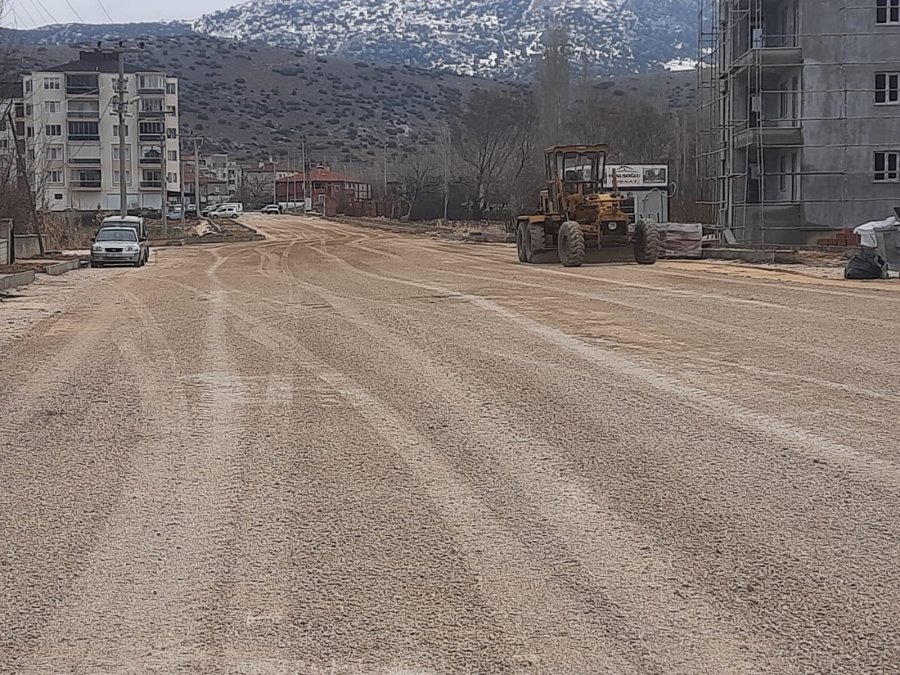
point(325, 187)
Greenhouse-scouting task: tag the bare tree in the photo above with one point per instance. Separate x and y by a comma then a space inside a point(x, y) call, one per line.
point(490, 139)
point(553, 83)
point(419, 176)
point(257, 187)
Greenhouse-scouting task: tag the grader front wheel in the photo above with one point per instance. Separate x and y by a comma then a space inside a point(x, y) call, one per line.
point(646, 242)
point(571, 244)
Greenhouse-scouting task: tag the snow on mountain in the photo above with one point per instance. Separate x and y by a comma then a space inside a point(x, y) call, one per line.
point(498, 38)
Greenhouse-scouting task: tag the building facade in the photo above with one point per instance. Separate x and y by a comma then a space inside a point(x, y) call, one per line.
point(71, 133)
point(800, 107)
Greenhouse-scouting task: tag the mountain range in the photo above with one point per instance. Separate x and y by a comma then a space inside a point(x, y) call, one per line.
point(486, 38)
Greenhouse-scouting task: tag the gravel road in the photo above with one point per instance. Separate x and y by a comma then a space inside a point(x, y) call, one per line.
point(343, 450)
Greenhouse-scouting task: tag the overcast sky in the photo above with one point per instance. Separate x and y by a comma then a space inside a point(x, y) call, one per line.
point(28, 13)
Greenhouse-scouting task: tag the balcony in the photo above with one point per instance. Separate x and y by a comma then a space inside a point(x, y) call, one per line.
point(92, 115)
point(770, 136)
point(769, 57)
point(152, 161)
point(85, 184)
point(82, 85)
point(151, 184)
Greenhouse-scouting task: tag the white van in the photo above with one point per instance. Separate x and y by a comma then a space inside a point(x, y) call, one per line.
point(237, 207)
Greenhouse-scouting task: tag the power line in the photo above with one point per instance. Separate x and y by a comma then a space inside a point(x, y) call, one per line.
point(105, 12)
point(75, 11)
point(28, 14)
point(47, 11)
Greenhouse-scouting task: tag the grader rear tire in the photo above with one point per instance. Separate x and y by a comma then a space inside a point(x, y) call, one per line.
point(521, 233)
point(571, 244)
point(535, 241)
point(646, 242)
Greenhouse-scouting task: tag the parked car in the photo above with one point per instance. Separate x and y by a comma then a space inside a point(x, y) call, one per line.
point(229, 211)
point(272, 208)
point(136, 222)
point(118, 246)
point(150, 214)
point(174, 214)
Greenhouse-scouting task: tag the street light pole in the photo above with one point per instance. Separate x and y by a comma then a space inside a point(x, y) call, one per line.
point(121, 88)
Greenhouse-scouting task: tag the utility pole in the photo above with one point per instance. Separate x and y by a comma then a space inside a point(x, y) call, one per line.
point(121, 92)
point(165, 182)
point(181, 185)
point(385, 173)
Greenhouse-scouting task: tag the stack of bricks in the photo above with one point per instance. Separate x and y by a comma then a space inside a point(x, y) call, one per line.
point(844, 239)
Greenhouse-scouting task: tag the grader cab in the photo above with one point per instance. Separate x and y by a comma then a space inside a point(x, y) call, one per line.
point(577, 213)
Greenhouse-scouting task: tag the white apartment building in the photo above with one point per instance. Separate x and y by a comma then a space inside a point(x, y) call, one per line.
point(71, 133)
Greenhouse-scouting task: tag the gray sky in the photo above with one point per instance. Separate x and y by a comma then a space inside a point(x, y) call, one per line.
point(27, 13)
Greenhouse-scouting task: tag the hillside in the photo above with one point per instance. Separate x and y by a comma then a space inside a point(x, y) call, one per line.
point(255, 101)
point(485, 38)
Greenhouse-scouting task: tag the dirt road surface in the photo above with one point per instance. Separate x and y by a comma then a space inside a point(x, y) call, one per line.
point(349, 451)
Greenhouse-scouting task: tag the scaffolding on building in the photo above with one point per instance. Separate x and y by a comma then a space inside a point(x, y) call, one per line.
point(743, 148)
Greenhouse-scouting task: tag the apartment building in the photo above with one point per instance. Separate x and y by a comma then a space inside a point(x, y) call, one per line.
point(225, 169)
point(800, 108)
point(71, 133)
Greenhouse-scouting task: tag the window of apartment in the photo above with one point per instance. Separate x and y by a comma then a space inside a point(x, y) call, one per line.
point(116, 130)
point(55, 177)
point(152, 128)
point(784, 100)
point(53, 106)
point(4, 144)
point(53, 130)
point(55, 152)
point(782, 173)
point(170, 111)
point(52, 83)
point(152, 105)
point(152, 83)
point(84, 131)
point(887, 11)
point(29, 110)
point(29, 86)
point(172, 177)
point(117, 175)
point(887, 88)
point(171, 133)
point(886, 166)
point(115, 153)
point(29, 132)
point(170, 88)
point(172, 156)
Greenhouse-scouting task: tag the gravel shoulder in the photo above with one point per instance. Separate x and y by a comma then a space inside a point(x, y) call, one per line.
point(344, 450)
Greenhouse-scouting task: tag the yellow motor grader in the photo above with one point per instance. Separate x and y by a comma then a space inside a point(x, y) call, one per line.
point(577, 214)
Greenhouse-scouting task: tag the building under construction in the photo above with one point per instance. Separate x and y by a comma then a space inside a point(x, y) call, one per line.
point(799, 115)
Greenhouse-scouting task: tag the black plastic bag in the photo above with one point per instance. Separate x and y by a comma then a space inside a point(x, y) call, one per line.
point(865, 265)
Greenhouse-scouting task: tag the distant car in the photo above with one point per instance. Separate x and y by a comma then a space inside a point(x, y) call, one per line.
point(225, 212)
point(152, 214)
point(174, 214)
point(118, 246)
point(272, 208)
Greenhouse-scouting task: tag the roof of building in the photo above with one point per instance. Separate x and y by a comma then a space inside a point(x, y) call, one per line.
point(320, 175)
point(93, 62)
point(267, 167)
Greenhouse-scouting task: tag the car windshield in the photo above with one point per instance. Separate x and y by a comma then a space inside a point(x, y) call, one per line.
point(117, 235)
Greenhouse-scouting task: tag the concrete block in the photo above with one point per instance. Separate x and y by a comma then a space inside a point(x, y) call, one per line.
point(63, 267)
point(16, 280)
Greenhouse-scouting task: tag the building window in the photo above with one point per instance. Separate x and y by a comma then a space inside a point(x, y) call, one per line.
point(4, 144)
point(116, 130)
point(115, 153)
point(53, 106)
point(84, 131)
point(54, 130)
point(52, 83)
point(172, 155)
point(782, 173)
point(172, 177)
point(29, 110)
point(29, 86)
point(886, 166)
point(29, 132)
point(57, 196)
point(170, 111)
point(151, 83)
point(116, 176)
point(887, 88)
point(887, 11)
point(55, 177)
point(170, 88)
point(55, 152)
point(171, 133)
